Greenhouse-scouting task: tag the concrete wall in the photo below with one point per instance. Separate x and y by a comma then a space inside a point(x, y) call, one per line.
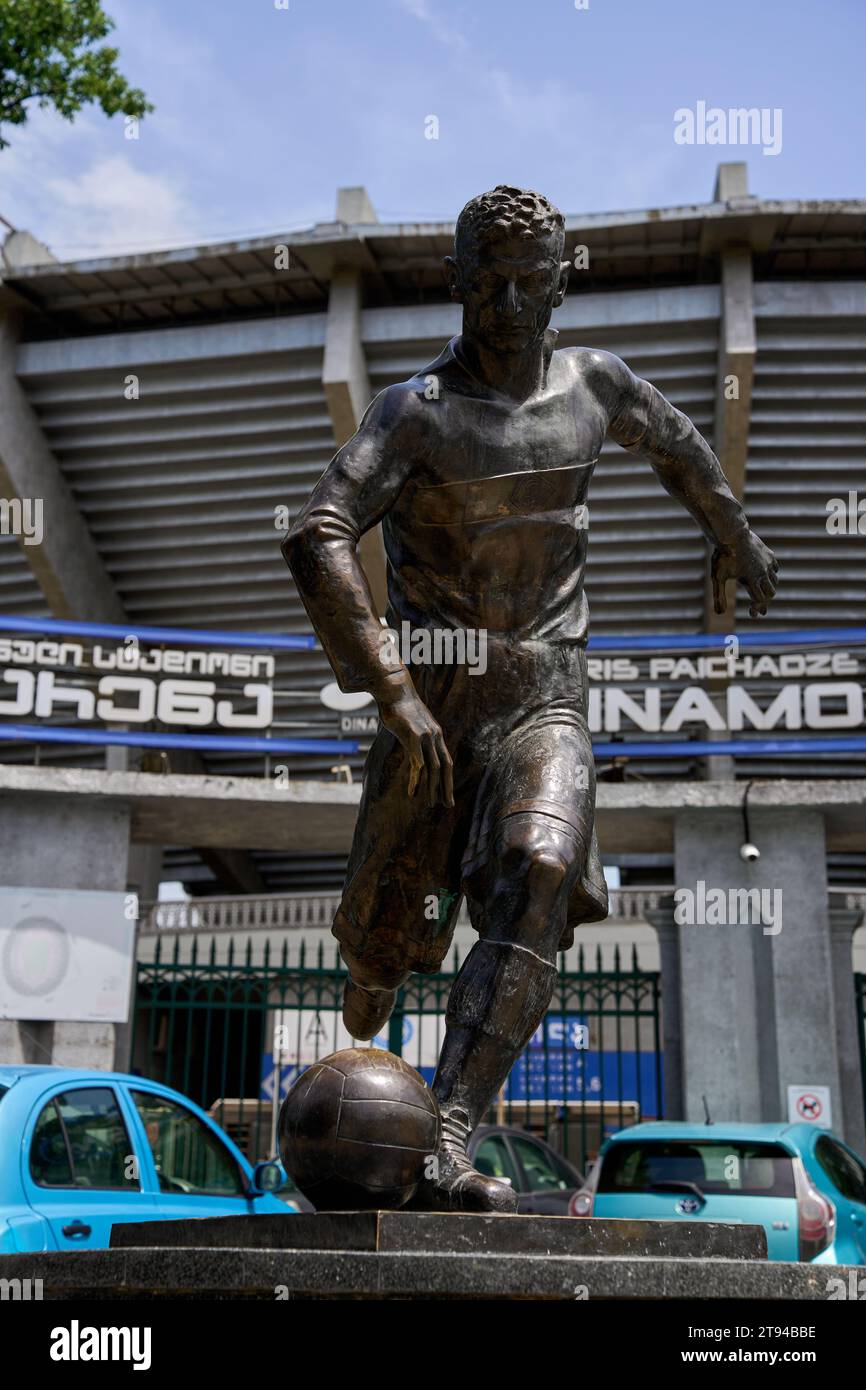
point(44, 845)
point(756, 1008)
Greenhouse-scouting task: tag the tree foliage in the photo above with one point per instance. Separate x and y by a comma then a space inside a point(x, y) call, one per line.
point(51, 53)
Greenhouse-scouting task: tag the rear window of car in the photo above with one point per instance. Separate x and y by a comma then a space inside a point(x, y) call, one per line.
point(717, 1167)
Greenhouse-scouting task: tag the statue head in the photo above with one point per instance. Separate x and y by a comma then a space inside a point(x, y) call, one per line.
point(507, 269)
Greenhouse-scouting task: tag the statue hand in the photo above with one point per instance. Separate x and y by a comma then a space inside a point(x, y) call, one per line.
point(753, 564)
point(411, 722)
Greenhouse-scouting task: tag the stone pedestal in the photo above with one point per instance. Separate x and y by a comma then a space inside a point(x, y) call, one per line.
point(419, 1255)
point(446, 1233)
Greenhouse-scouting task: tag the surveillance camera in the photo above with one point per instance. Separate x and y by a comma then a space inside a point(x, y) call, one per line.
point(749, 853)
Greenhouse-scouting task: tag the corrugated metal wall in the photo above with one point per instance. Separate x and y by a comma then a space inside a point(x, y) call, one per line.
point(179, 487)
point(19, 591)
point(807, 444)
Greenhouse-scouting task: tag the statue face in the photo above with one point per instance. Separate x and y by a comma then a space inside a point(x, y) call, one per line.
point(508, 288)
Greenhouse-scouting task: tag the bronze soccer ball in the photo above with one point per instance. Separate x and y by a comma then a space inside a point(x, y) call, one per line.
point(356, 1129)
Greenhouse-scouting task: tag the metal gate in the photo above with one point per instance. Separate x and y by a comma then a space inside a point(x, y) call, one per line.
point(233, 1034)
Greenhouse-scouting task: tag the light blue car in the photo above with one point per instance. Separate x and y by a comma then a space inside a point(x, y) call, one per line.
point(81, 1150)
point(804, 1185)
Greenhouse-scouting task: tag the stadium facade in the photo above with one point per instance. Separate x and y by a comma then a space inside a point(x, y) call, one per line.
point(168, 411)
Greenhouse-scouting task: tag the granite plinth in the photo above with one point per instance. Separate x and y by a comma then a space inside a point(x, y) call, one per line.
point(424, 1255)
point(449, 1234)
point(280, 1275)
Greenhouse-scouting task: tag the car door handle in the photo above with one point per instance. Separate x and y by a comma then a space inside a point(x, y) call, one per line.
point(76, 1230)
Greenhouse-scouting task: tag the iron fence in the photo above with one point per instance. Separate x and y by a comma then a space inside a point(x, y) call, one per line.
point(233, 1030)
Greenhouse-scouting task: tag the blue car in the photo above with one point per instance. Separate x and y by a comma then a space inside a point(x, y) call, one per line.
point(80, 1150)
point(804, 1185)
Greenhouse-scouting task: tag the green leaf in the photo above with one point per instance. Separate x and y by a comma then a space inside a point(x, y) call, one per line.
point(51, 55)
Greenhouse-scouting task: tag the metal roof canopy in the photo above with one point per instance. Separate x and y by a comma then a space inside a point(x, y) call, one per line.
point(401, 262)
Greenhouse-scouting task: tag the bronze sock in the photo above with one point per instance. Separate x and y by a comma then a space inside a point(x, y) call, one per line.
point(497, 1001)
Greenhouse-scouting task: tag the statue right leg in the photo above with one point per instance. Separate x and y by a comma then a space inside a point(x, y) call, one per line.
point(402, 891)
point(370, 991)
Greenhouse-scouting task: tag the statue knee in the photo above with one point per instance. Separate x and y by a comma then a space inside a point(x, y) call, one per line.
point(548, 870)
point(535, 853)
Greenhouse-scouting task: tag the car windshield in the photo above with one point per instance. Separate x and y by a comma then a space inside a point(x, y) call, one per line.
point(716, 1167)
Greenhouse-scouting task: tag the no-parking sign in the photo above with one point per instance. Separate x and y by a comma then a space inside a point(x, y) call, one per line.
point(810, 1104)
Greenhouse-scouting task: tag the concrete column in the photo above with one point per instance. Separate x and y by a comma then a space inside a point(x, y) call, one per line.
point(801, 955)
point(144, 871)
point(738, 346)
point(43, 845)
point(735, 366)
point(64, 558)
point(735, 370)
point(348, 393)
point(662, 920)
point(344, 369)
point(345, 379)
point(718, 988)
point(758, 1003)
point(851, 1124)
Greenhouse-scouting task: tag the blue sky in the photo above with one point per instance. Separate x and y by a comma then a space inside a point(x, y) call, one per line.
point(263, 112)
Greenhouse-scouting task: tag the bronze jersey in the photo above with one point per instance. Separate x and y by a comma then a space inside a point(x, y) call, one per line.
point(504, 553)
point(501, 545)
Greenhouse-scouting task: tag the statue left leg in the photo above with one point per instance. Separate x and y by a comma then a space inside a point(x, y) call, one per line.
point(502, 992)
point(530, 874)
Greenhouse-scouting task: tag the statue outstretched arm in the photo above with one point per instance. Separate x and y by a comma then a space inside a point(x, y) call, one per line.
point(643, 422)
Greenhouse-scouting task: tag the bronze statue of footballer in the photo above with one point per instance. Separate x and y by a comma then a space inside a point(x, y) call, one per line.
point(482, 784)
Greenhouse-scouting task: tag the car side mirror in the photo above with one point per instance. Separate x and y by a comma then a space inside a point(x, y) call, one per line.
point(268, 1176)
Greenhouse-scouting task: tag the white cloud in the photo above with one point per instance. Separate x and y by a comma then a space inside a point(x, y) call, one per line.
point(436, 23)
point(116, 206)
point(419, 9)
point(113, 205)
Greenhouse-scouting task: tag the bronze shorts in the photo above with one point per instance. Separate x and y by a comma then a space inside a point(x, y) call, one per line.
point(514, 751)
